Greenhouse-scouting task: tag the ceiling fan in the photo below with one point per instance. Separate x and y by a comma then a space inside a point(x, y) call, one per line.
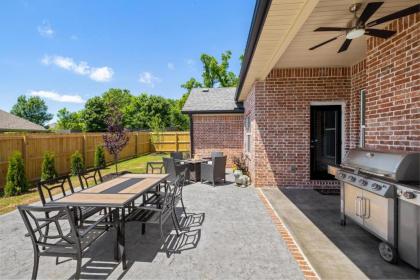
point(358, 26)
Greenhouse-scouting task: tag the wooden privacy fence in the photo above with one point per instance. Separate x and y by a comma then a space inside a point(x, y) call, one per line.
point(34, 145)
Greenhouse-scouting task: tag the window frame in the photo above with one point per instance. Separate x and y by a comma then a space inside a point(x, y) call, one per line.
point(248, 137)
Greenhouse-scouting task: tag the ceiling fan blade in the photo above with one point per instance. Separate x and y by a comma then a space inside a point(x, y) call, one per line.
point(379, 33)
point(370, 9)
point(331, 29)
point(345, 45)
point(402, 13)
point(323, 43)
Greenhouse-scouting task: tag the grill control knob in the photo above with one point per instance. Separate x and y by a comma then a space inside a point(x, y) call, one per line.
point(376, 186)
point(363, 182)
point(352, 179)
point(409, 195)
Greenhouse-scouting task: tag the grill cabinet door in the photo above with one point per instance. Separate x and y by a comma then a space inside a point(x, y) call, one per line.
point(352, 202)
point(376, 213)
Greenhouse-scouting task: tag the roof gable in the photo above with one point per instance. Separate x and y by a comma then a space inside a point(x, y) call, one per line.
point(10, 122)
point(212, 100)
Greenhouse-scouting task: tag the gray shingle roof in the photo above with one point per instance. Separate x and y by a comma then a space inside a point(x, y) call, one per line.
point(212, 100)
point(9, 122)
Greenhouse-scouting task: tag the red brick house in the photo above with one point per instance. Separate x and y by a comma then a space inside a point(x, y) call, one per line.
point(305, 108)
point(216, 122)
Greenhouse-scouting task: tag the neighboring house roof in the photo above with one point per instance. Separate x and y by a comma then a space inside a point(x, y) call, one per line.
point(212, 101)
point(10, 122)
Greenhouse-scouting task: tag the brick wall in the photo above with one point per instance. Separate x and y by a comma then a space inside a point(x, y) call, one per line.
point(218, 133)
point(280, 107)
point(393, 88)
point(282, 121)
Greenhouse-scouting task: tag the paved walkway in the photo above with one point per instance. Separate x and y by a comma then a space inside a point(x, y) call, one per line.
point(230, 236)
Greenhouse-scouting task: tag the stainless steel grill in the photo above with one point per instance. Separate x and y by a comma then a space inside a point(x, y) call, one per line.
point(380, 191)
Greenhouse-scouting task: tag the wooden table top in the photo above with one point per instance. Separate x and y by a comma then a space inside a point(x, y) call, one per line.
point(117, 192)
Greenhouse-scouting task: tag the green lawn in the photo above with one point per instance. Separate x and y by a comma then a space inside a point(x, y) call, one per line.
point(135, 165)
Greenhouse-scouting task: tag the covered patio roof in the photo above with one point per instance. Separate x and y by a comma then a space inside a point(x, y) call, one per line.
point(282, 33)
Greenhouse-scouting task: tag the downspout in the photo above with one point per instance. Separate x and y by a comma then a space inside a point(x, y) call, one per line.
point(191, 135)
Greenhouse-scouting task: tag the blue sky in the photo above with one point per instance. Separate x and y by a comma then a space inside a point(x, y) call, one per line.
point(69, 51)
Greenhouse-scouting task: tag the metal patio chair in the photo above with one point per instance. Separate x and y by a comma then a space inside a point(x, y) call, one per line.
point(158, 197)
point(215, 171)
point(91, 173)
point(177, 156)
point(174, 169)
point(157, 213)
point(48, 186)
point(54, 237)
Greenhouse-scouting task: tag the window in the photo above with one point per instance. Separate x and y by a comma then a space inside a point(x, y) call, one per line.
point(362, 117)
point(247, 134)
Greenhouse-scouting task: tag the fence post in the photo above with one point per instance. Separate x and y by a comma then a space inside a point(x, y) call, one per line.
point(25, 154)
point(136, 135)
point(176, 142)
point(84, 148)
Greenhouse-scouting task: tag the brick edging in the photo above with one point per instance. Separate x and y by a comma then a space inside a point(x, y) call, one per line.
point(304, 265)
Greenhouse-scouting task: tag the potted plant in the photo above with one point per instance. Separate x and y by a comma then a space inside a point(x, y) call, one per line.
point(240, 171)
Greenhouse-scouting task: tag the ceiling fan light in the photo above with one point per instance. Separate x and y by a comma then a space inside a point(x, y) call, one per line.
point(355, 33)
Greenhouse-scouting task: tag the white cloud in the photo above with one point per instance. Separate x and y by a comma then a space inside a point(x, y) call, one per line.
point(46, 30)
point(171, 66)
point(99, 74)
point(190, 61)
point(57, 97)
point(148, 79)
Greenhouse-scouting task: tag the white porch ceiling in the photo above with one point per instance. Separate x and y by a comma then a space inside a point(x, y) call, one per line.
point(288, 34)
point(332, 13)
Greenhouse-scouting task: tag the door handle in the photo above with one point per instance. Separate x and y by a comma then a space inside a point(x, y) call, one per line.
point(357, 206)
point(367, 207)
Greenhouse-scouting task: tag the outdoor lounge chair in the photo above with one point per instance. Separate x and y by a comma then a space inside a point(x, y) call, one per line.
point(48, 186)
point(215, 171)
point(54, 236)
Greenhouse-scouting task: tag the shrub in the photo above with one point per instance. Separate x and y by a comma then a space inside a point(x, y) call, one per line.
point(16, 182)
point(100, 156)
point(76, 162)
point(48, 167)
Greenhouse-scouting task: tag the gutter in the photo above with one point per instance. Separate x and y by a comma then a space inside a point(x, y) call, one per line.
point(214, 112)
point(258, 19)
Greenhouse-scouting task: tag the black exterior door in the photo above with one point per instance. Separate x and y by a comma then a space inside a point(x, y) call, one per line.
point(325, 140)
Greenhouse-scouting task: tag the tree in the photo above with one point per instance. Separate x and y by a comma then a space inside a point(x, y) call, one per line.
point(76, 163)
point(33, 109)
point(69, 120)
point(214, 74)
point(100, 157)
point(191, 83)
point(117, 137)
point(48, 167)
point(95, 114)
point(16, 182)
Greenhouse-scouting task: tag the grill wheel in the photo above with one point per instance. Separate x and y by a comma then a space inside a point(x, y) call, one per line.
point(388, 252)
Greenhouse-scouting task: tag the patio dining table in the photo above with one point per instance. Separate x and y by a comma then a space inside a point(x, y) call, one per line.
point(118, 193)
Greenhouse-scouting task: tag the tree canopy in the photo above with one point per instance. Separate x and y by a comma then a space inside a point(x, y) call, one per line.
point(138, 112)
point(33, 109)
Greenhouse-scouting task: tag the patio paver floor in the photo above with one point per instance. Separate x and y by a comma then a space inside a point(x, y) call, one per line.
point(236, 240)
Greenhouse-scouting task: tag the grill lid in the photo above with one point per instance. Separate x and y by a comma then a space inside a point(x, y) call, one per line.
point(398, 166)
